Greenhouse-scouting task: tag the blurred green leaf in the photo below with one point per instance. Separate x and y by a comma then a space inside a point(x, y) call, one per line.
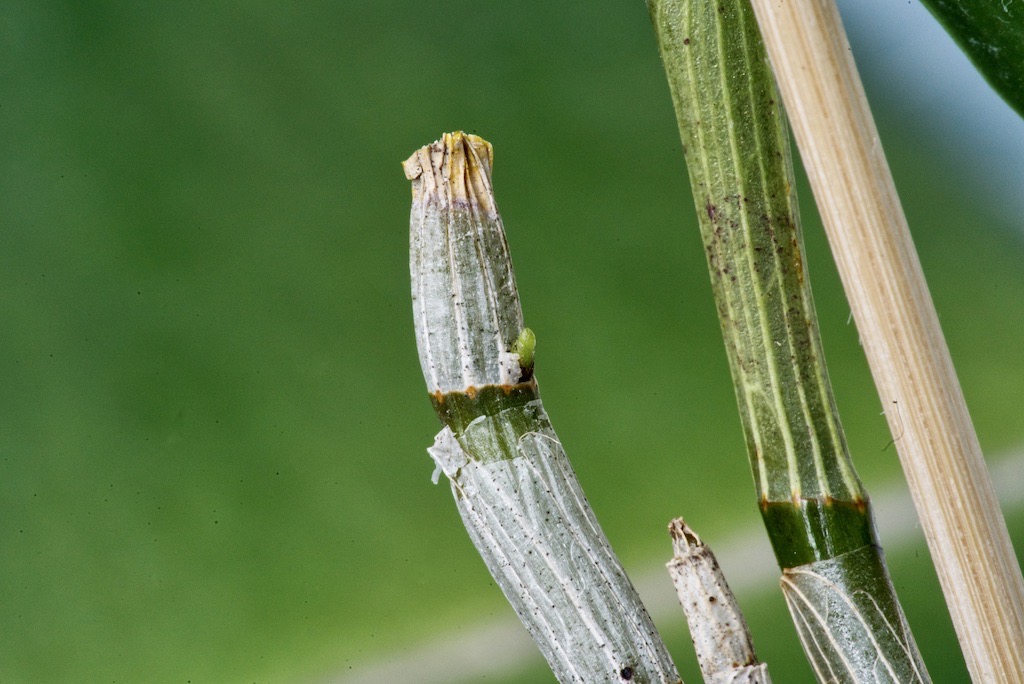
point(992, 36)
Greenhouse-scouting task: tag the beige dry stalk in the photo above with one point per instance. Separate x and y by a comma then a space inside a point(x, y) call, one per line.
point(899, 329)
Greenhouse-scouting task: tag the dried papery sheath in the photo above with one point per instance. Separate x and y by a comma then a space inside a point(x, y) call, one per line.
point(513, 485)
point(720, 636)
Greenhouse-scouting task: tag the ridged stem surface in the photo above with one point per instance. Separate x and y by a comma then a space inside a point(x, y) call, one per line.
point(513, 485)
point(815, 509)
point(899, 330)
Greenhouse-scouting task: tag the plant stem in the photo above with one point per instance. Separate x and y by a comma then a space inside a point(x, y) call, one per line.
point(513, 485)
point(815, 510)
point(720, 636)
point(900, 333)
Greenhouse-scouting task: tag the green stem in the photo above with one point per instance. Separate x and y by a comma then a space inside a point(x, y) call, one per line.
point(814, 507)
point(513, 485)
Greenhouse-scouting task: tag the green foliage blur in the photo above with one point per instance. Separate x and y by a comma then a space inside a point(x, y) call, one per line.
point(212, 419)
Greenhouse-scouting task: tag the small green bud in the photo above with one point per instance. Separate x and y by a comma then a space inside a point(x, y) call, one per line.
point(524, 346)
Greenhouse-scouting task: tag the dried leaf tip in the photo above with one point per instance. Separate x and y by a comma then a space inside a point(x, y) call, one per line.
point(456, 168)
point(684, 540)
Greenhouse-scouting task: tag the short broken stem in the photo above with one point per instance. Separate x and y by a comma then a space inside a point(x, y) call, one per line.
point(725, 650)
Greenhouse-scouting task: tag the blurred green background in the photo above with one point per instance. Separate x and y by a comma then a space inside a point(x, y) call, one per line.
point(212, 419)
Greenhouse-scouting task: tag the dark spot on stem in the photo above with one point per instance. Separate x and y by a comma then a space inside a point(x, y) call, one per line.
point(626, 673)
